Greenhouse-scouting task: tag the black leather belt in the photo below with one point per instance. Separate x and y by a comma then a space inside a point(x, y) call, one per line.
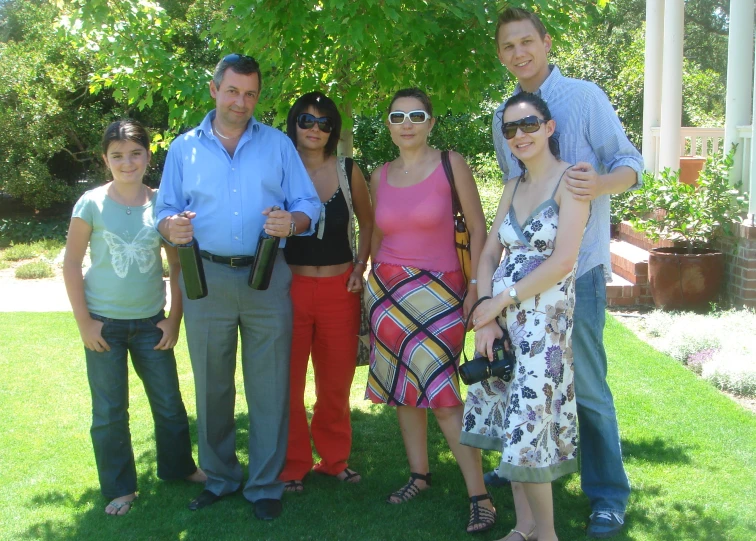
point(234, 261)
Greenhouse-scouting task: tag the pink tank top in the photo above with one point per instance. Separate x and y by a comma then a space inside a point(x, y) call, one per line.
point(417, 223)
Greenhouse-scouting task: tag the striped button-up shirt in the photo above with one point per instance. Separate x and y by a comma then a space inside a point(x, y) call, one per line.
point(589, 131)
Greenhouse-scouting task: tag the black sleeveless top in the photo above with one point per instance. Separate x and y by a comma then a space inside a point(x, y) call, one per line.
point(333, 248)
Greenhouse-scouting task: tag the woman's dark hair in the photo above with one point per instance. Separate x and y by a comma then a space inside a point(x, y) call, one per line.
point(413, 93)
point(125, 130)
point(325, 106)
point(540, 106)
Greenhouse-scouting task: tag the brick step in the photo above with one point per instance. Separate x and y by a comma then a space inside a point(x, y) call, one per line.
point(629, 261)
point(627, 234)
point(621, 292)
point(621, 288)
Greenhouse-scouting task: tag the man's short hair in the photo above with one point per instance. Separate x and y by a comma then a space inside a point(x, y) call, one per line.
point(511, 15)
point(238, 63)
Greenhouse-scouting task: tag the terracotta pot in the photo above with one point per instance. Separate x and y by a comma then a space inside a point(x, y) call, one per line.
point(682, 281)
point(690, 167)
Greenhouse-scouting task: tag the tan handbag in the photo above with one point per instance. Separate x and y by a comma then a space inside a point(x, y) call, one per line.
point(461, 234)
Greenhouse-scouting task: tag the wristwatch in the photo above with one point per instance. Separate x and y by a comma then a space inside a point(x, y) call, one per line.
point(513, 295)
point(292, 229)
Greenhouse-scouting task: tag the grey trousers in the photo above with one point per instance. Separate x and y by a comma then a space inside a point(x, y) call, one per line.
point(213, 325)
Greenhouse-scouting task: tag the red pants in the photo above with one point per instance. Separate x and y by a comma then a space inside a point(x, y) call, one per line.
point(326, 324)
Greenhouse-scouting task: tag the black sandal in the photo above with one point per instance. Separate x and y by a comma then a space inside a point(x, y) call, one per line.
point(481, 516)
point(410, 490)
point(349, 474)
point(295, 486)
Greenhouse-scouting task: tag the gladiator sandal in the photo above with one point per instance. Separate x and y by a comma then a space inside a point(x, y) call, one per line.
point(481, 518)
point(410, 490)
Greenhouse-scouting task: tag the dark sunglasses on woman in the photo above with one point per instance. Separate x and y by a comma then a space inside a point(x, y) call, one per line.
point(529, 124)
point(307, 121)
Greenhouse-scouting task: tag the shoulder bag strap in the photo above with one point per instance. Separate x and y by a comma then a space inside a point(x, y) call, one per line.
point(341, 170)
point(456, 206)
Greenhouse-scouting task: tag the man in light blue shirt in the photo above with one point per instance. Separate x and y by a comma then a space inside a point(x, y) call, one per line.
point(220, 184)
point(605, 162)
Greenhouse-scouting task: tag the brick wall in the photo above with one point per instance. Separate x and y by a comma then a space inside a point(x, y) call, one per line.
point(740, 266)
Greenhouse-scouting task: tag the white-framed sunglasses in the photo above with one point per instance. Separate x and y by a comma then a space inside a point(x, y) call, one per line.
point(416, 117)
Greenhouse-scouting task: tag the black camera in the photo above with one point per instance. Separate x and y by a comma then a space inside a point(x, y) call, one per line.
point(481, 368)
point(504, 361)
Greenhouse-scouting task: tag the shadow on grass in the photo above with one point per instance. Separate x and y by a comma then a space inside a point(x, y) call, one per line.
point(656, 450)
point(331, 510)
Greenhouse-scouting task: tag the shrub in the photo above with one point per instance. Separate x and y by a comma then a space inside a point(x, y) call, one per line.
point(34, 270)
point(735, 375)
point(18, 252)
point(17, 230)
point(694, 215)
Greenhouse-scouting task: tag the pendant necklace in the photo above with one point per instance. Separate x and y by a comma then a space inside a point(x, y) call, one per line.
point(128, 208)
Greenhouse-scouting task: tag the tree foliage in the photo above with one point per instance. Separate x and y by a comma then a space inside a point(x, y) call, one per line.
point(612, 54)
point(357, 52)
point(51, 123)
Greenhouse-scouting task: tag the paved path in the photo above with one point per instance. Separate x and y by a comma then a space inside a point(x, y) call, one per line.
point(33, 296)
point(37, 296)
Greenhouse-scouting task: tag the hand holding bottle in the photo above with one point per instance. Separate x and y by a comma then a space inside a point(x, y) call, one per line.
point(179, 227)
point(278, 223)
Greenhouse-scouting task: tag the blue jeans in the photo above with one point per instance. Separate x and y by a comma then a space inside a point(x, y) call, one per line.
point(108, 381)
point(603, 476)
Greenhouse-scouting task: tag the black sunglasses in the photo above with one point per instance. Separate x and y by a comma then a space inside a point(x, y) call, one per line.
point(235, 58)
point(529, 124)
point(307, 121)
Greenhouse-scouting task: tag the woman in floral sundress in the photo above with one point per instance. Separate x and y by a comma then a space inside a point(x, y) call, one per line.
point(532, 419)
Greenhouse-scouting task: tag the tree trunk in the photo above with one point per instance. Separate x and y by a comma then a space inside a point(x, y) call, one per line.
point(346, 143)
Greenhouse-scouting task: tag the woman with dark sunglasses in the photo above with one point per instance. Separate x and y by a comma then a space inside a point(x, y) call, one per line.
point(326, 286)
point(415, 292)
point(539, 225)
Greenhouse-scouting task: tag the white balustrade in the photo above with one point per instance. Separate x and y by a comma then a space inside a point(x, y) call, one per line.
point(694, 142)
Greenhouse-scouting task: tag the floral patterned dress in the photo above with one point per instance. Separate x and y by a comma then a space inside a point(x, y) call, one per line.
point(532, 419)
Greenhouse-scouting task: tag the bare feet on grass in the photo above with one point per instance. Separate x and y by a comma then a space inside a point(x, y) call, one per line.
point(197, 477)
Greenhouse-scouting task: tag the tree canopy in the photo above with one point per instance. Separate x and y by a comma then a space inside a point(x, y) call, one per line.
point(359, 53)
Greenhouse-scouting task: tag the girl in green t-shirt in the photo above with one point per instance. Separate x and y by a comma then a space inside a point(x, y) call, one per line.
point(119, 309)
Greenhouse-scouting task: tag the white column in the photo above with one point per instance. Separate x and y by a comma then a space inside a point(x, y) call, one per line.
point(739, 78)
point(752, 188)
point(652, 79)
point(671, 101)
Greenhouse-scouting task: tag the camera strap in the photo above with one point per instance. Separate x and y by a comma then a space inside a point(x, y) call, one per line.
point(470, 315)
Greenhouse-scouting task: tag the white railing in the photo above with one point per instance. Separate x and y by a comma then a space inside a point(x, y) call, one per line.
point(742, 169)
point(694, 142)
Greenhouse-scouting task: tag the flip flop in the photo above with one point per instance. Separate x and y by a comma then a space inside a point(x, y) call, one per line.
point(120, 505)
point(348, 474)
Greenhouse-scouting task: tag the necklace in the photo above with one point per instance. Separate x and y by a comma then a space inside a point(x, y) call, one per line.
point(219, 134)
point(140, 196)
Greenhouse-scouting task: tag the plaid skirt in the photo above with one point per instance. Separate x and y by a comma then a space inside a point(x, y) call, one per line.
point(416, 336)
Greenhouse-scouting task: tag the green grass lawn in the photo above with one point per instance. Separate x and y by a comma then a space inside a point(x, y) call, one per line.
point(690, 454)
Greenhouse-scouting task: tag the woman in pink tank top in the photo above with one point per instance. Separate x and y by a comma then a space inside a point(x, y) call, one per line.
point(415, 295)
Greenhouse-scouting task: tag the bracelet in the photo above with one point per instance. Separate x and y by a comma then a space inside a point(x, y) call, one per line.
point(360, 262)
point(473, 281)
point(292, 229)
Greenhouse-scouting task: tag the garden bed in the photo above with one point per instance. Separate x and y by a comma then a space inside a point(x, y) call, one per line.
point(718, 346)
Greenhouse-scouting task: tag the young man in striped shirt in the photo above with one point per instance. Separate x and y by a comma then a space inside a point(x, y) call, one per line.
point(605, 162)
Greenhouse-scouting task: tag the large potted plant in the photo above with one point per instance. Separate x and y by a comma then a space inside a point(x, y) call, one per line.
point(689, 275)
